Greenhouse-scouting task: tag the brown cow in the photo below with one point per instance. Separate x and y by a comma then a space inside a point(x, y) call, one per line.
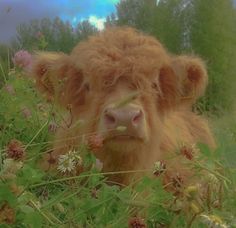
point(124, 86)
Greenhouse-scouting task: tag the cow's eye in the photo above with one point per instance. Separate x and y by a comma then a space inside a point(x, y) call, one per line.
point(87, 86)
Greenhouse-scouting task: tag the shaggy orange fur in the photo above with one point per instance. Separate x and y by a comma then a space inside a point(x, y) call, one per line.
point(107, 68)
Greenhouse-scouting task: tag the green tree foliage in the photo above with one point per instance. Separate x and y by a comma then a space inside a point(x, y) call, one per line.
point(168, 25)
point(52, 35)
point(161, 20)
point(136, 13)
point(83, 30)
point(212, 35)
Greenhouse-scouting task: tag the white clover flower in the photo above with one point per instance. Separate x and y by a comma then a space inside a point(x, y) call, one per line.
point(67, 162)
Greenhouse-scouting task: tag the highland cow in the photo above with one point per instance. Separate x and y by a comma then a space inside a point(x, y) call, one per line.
point(125, 87)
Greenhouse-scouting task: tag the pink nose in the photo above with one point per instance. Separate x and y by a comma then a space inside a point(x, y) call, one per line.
point(130, 117)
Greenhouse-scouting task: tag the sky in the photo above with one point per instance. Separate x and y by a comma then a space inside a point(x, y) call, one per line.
point(14, 12)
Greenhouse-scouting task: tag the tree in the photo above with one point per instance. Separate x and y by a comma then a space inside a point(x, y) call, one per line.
point(51, 34)
point(162, 20)
point(168, 24)
point(212, 35)
point(136, 13)
point(84, 29)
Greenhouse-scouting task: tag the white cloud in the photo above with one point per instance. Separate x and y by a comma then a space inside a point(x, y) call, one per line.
point(97, 22)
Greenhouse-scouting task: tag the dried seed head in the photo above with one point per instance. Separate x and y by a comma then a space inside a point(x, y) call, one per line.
point(136, 222)
point(187, 151)
point(7, 214)
point(15, 150)
point(177, 181)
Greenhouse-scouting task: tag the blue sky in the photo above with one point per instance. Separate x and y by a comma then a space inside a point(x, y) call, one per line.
point(14, 12)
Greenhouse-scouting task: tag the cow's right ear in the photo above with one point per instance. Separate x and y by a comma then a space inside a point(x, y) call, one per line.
point(58, 78)
point(44, 70)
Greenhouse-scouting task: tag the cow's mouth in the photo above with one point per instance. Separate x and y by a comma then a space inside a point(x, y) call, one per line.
point(123, 138)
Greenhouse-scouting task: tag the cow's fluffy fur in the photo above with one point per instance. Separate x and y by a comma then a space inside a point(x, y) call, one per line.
point(108, 67)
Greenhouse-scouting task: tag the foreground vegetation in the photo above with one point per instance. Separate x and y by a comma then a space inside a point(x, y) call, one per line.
point(31, 197)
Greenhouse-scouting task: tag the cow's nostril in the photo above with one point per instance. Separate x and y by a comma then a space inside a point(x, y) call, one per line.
point(137, 117)
point(109, 118)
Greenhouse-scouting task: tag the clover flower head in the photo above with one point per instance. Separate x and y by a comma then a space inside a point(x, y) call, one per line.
point(159, 168)
point(136, 222)
point(23, 59)
point(189, 151)
point(15, 150)
point(68, 162)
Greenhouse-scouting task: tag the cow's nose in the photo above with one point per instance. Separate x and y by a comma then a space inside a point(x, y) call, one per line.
point(125, 116)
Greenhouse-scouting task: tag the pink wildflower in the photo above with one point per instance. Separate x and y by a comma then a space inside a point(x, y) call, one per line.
point(22, 59)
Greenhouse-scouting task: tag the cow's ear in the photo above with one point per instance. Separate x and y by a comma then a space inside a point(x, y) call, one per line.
point(57, 78)
point(168, 89)
point(192, 76)
point(44, 71)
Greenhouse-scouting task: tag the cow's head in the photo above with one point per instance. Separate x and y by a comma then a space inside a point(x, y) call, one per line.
point(121, 82)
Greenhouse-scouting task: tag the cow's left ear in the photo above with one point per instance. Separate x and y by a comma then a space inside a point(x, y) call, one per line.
point(192, 76)
point(168, 88)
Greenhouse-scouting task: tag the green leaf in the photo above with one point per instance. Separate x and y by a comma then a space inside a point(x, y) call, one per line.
point(33, 220)
point(6, 195)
